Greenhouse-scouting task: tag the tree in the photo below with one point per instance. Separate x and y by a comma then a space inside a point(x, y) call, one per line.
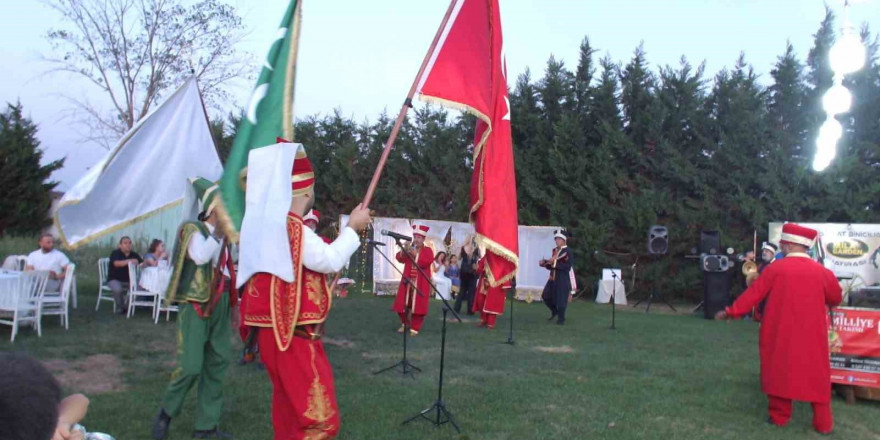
point(134, 51)
point(23, 181)
point(223, 131)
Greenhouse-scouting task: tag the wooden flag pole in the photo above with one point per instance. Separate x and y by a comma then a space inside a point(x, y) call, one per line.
point(407, 104)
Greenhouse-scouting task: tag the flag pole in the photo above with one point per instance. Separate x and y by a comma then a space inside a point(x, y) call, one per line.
point(407, 104)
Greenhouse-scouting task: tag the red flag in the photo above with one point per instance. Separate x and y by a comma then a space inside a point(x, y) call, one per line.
point(467, 71)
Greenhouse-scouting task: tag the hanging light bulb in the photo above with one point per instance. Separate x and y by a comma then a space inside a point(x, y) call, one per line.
point(830, 132)
point(848, 54)
point(837, 100)
point(819, 164)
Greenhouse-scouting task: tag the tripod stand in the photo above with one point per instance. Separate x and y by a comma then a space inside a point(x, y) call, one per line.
point(437, 413)
point(443, 414)
point(405, 366)
point(652, 296)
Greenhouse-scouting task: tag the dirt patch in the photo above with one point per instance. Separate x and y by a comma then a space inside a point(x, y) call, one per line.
point(163, 345)
point(559, 349)
point(96, 374)
point(338, 342)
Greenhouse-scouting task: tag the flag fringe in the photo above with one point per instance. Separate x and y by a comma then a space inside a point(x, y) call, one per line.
point(489, 244)
point(501, 251)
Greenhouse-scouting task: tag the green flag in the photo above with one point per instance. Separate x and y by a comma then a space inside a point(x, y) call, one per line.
point(269, 115)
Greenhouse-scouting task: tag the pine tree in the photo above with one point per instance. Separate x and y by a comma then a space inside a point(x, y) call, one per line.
point(25, 184)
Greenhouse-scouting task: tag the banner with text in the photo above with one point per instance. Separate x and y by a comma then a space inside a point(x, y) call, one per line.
point(854, 343)
point(849, 250)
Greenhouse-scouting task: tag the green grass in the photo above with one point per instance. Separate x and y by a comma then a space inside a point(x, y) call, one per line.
point(657, 376)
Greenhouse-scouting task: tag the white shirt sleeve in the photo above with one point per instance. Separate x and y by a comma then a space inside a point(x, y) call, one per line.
point(328, 258)
point(63, 259)
point(203, 250)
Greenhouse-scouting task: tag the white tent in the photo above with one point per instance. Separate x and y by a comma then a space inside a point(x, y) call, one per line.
point(143, 179)
point(535, 243)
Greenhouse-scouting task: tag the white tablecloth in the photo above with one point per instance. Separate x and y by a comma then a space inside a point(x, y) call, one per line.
point(604, 293)
point(8, 284)
point(155, 279)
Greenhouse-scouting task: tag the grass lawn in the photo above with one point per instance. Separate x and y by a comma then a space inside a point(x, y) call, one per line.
point(657, 377)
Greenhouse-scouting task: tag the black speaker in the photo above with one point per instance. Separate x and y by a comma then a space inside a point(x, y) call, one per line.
point(716, 292)
point(710, 242)
point(715, 263)
point(658, 240)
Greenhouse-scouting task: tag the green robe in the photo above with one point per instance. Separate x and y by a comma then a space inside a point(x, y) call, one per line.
point(189, 281)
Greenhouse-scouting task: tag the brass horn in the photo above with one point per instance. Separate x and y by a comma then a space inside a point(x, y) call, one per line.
point(749, 266)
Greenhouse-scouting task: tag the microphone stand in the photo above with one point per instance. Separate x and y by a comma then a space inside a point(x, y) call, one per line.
point(512, 299)
point(442, 415)
point(613, 298)
point(406, 367)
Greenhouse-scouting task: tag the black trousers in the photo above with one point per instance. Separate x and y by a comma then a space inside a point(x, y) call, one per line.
point(466, 293)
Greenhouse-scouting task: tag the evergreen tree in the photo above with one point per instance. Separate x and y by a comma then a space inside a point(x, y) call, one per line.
point(24, 207)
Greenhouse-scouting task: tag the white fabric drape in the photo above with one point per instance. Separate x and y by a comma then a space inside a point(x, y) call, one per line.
point(146, 172)
point(535, 243)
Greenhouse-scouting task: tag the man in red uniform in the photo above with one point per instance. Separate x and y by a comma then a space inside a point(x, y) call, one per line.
point(794, 332)
point(414, 292)
point(311, 220)
point(286, 298)
point(489, 301)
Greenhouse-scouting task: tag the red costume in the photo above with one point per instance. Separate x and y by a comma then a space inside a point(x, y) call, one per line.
point(489, 301)
point(289, 318)
point(414, 292)
point(794, 332)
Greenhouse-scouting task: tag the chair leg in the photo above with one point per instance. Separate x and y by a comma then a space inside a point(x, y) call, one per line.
point(99, 300)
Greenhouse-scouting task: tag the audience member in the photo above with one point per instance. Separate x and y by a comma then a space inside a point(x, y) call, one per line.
point(30, 404)
point(470, 255)
point(47, 258)
point(118, 273)
point(452, 271)
point(156, 253)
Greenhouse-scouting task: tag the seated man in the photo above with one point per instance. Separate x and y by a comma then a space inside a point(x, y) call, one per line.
point(47, 258)
point(118, 274)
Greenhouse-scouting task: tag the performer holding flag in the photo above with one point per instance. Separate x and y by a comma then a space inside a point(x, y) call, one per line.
point(286, 300)
point(204, 349)
point(794, 332)
point(489, 301)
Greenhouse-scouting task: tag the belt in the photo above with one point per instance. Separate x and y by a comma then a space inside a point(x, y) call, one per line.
point(310, 332)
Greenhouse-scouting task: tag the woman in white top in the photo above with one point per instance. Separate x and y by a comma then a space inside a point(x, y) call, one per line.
point(443, 284)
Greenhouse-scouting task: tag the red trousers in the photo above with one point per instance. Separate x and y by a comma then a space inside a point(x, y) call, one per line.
point(488, 319)
point(780, 413)
point(303, 396)
point(415, 323)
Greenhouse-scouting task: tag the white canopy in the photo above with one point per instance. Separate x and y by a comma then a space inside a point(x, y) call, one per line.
point(535, 243)
point(147, 172)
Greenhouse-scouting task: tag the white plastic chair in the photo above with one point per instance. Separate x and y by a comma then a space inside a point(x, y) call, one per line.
point(24, 303)
point(103, 270)
point(22, 262)
point(165, 306)
point(138, 297)
point(58, 303)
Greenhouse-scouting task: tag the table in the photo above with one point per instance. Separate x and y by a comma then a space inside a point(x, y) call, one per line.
point(8, 286)
point(155, 279)
point(605, 289)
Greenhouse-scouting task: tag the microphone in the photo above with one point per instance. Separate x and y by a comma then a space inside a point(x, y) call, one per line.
point(395, 235)
point(375, 243)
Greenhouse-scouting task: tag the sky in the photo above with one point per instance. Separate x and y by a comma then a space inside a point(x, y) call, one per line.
point(361, 56)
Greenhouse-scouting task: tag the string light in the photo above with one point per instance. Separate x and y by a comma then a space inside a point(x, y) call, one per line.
point(846, 56)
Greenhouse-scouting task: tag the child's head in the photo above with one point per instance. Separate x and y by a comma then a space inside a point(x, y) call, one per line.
point(29, 398)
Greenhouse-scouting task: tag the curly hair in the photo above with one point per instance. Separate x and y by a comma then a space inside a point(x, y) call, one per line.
point(30, 398)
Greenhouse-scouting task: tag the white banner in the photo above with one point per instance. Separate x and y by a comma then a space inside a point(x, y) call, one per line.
point(145, 174)
point(849, 250)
